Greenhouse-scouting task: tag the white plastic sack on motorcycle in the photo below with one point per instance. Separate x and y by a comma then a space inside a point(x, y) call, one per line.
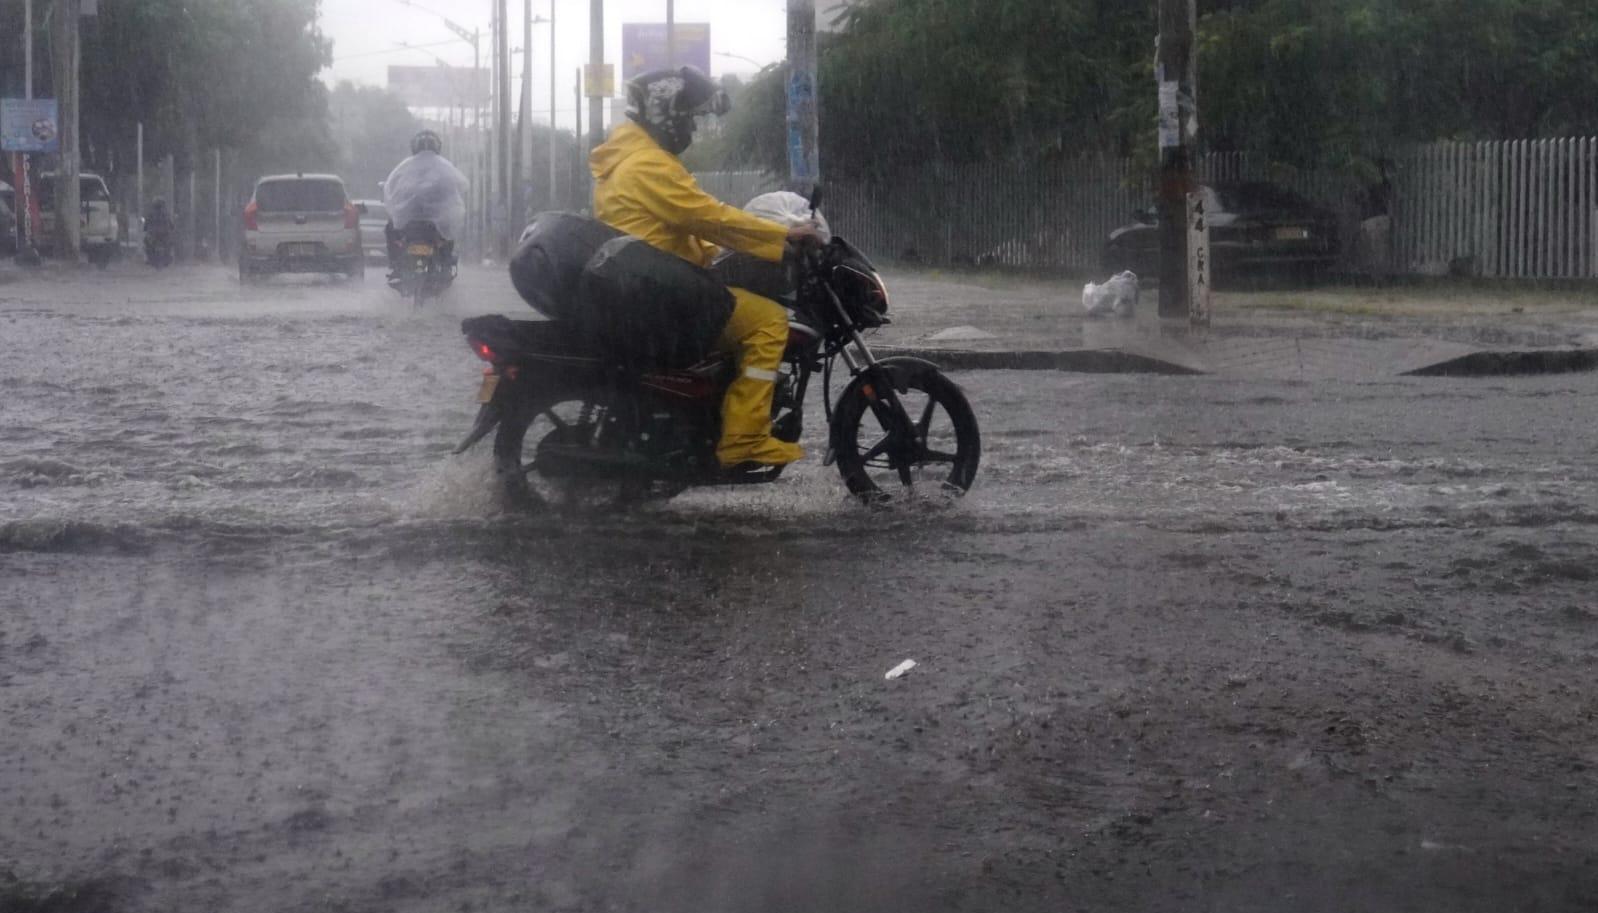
point(426, 188)
point(1117, 296)
point(787, 209)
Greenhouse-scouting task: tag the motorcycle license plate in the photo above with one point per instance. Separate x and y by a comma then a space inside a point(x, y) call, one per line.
point(420, 250)
point(485, 393)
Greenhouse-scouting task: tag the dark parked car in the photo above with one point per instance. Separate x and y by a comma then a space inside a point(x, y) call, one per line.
point(1254, 227)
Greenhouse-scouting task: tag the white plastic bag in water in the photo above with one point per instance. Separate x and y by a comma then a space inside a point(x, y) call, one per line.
point(1117, 296)
point(426, 188)
point(787, 209)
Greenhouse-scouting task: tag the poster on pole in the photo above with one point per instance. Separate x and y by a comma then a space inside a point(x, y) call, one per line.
point(643, 47)
point(29, 125)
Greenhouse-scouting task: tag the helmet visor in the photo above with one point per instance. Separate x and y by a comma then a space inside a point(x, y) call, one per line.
point(718, 104)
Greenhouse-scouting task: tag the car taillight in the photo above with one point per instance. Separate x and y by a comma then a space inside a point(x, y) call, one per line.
point(352, 218)
point(249, 217)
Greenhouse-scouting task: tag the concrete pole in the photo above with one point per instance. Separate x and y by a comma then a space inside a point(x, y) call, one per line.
point(553, 146)
point(68, 200)
point(524, 135)
point(671, 34)
point(804, 159)
point(504, 192)
point(1176, 74)
point(596, 58)
point(216, 204)
point(138, 182)
point(479, 178)
point(27, 49)
point(579, 179)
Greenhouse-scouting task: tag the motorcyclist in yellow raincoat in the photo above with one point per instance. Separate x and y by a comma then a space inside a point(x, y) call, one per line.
point(643, 189)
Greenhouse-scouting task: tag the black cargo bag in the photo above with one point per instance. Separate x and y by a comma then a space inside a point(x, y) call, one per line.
point(764, 278)
point(650, 309)
point(550, 257)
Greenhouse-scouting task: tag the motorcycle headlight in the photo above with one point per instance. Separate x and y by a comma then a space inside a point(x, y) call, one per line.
point(864, 291)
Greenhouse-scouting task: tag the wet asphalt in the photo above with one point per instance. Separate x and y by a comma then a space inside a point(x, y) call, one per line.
point(1190, 643)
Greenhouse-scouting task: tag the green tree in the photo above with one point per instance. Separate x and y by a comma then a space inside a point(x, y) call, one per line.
point(372, 129)
point(1300, 82)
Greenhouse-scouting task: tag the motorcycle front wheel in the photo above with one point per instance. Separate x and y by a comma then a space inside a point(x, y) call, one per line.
point(924, 437)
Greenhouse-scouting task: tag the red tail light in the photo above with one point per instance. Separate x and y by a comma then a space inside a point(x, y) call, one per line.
point(249, 217)
point(352, 218)
point(482, 350)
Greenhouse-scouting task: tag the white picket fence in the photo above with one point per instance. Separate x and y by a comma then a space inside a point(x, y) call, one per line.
point(1526, 209)
point(1523, 210)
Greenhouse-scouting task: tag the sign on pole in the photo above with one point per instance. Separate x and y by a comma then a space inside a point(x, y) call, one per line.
point(599, 80)
point(30, 125)
point(645, 46)
point(1198, 258)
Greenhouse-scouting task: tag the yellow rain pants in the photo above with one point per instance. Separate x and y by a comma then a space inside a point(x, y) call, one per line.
point(758, 333)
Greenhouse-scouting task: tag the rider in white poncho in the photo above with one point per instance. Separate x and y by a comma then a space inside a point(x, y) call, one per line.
point(424, 188)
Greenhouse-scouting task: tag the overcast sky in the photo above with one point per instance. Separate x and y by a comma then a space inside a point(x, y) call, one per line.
point(367, 35)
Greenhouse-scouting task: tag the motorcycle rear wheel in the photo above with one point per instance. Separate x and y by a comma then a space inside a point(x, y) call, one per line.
point(877, 455)
point(565, 429)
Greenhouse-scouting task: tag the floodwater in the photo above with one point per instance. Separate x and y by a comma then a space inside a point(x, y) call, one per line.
point(1190, 642)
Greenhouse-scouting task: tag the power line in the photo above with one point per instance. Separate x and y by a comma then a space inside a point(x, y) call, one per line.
point(408, 47)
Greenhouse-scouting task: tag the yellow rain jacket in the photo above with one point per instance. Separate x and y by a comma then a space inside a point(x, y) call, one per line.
point(645, 191)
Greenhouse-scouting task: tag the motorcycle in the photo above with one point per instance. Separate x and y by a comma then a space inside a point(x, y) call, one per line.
point(426, 266)
point(573, 428)
point(157, 245)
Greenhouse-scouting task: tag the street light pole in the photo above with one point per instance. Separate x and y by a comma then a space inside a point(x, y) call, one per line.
point(671, 34)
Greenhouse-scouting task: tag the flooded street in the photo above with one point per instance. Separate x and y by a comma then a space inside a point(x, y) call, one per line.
point(1190, 643)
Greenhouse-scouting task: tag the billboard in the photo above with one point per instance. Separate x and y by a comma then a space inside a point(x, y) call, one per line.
point(643, 47)
point(29, 125)
point(439, 86)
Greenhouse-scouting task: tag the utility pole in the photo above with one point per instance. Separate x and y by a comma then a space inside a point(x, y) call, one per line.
point(524, 129)
point(671, 35)
point(553, 146)
point(20, 178)
point(596, 60)
point(804, 160)
point(68, 201)
point(503, 190)
point(1184, 255)
point(579, 180)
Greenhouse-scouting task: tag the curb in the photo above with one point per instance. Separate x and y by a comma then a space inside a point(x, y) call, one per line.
point(1082, 361)
point(1512, 364)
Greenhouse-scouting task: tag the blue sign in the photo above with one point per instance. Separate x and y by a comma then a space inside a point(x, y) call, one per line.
point(643, 47)
point(29, 125)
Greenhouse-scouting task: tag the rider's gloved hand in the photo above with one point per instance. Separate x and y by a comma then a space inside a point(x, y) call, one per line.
point(803, 237)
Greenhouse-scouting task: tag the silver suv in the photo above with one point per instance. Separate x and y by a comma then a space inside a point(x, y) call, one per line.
point(300, 223)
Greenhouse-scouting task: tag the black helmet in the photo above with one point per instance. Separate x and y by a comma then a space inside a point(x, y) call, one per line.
point(665, 102)
point(426, 140)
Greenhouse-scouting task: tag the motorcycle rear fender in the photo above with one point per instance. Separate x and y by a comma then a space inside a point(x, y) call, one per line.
point(487, 420)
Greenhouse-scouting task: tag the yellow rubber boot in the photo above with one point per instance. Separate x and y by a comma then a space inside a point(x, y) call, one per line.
point(758, 333)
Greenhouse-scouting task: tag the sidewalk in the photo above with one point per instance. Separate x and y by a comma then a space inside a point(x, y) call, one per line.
point(975, 321)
